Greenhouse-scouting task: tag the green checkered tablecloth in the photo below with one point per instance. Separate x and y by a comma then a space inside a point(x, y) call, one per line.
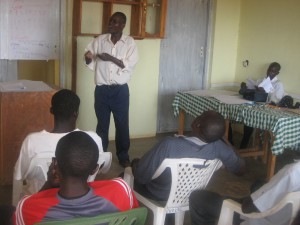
point(284, 125)
point(193, 105)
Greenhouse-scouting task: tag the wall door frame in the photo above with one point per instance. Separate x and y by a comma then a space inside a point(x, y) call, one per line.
point(175, 63)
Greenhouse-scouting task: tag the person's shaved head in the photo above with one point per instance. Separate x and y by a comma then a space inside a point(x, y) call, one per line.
point(209, 126)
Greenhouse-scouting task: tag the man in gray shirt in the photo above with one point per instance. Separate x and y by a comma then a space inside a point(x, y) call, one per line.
point(206, 142)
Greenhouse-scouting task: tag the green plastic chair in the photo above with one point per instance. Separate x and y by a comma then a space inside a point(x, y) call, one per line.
point(135, 216)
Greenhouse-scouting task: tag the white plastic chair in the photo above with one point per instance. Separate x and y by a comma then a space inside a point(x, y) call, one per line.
point(187, 174)
point(105, 159)
point(37, 174)
point(229, 207)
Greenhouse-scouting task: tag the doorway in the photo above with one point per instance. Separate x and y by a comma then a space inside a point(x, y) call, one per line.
point(182, 57)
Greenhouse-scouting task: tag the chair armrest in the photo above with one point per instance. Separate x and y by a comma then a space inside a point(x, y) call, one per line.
point(105, 158)
point(236, 207)
point(128, 176)
point(229, 207)
point(104, 162)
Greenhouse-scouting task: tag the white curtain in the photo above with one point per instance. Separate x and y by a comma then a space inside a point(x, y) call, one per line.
point(8, 68)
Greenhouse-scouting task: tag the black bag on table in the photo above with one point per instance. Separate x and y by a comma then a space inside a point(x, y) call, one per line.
point(286, 102)
point(253, 95)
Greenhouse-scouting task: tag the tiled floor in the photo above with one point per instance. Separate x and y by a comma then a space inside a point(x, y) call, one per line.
point(222, 181)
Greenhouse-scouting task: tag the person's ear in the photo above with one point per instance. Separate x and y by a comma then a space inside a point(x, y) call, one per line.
point(96, 169)
point(76, 114)
point(54, 161)
point(54, 175)
point(196, 124)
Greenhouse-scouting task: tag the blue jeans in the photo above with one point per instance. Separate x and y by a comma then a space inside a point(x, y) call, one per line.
point(113, 99)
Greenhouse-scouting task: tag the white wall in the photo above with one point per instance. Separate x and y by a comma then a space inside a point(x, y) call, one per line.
point(270, 31)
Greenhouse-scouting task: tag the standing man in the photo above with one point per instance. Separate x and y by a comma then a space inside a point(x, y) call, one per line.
point(113, 57)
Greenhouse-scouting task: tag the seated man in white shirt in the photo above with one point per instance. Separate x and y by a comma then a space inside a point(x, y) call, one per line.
point(205, 206)
point(64, 107)
point(270, 85)
point(269, 90)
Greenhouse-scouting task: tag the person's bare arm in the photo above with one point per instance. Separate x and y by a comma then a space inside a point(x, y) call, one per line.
point(248, 205)
point(88, 56)
point(242, 161)
point(242, 170)
point(108, 57)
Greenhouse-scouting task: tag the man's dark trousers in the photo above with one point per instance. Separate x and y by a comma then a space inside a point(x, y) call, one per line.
point(113, 99)
point(205, 208)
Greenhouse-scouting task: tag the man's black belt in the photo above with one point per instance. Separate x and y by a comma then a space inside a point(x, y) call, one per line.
point(113, 86)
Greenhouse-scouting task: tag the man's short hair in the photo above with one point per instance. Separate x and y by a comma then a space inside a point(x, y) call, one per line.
point(211, 126)
point(275, 64)
point(77, 155)
point(64, 104)
point(122, 15)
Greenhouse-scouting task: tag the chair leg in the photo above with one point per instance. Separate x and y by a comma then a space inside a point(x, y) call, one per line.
point(226, 216)
point(179, 218)
point(159, 216)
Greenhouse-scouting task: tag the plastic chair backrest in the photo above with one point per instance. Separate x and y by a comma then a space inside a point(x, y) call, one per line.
point(38, 168)
point(36, 175)
point(229, 207)
point(188, 174)
point(135, 216)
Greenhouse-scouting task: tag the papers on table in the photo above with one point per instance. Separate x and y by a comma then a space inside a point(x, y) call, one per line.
point(228, 97)
point(266, 85)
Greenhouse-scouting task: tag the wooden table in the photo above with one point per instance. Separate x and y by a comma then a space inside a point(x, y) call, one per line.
point(281, 128)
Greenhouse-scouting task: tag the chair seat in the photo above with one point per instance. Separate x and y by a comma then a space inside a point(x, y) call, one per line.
point(229, 207)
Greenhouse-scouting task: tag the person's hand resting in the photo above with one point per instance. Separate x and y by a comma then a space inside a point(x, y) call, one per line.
point(248, 205)
point(88, 57)
point(53, 180)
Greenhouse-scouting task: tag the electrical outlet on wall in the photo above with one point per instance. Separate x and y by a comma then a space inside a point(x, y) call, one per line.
point(246, 63)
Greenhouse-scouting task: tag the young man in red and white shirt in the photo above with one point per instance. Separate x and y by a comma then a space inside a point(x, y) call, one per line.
point(76, 158)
